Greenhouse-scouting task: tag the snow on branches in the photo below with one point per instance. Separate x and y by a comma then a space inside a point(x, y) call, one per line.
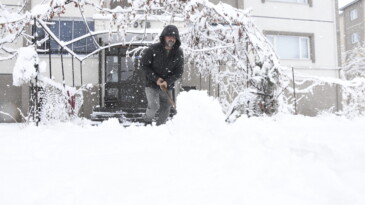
point(24, 69)
point(355, 62)
point(219, 40)
point(12, 25)
point(354, 70)
point(229, 46)
point(223, 42)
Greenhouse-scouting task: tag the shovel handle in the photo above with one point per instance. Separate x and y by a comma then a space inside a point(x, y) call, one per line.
point(172, 103)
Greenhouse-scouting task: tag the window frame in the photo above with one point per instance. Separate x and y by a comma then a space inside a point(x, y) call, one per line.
point(57, 23)
point(355, 40)
point(354, 14)
point(310, 45)
point(308, 2)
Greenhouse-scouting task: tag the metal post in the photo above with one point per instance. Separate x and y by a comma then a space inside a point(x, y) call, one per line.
point(36, 95)
point(295, 95)
point(73, 72)
point(219, 71)
point(63, 69)
point(200, 81)
point(209, 76)
point(31, 101)
point(247, 65)
point(50, 57)
point(100, 73)
point(36, 77)
point(338, 93)
point(81, 72)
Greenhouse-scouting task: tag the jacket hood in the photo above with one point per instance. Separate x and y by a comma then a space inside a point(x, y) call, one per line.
point(170, 30)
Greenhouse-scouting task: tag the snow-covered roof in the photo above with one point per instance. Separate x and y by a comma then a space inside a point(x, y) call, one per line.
point(349, 4)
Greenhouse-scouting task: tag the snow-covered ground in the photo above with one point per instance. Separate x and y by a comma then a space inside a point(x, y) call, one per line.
point(195, 159)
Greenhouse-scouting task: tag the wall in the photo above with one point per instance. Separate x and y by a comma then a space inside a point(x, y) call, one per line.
point(301, 18)
point(342, 38)
point(322, 98)
point(320, 10)
point(318, 20)
point(90, 69)
point(71, 10)
point(192, 79)
point(10, 99)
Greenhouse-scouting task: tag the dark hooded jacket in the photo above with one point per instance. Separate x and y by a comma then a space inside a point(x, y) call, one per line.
point(157, 63)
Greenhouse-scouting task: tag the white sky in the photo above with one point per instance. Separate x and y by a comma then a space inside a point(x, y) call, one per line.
point(342, 3)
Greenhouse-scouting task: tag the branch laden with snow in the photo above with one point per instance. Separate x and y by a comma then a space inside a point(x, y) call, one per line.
point(229, 46)
point(354, 94)
point(12, 26)
point(24, 69)
point(355, 62)
point(225, 41)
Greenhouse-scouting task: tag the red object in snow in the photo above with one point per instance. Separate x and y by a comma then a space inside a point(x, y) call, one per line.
point(72, 101)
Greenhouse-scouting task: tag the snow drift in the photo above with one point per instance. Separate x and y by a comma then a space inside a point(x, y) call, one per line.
point(194, 159)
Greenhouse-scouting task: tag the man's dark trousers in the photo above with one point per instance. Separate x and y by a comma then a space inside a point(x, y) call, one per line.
point(158, 100)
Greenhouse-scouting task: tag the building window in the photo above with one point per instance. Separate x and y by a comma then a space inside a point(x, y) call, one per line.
point(293, 1)
point(67, 30)
point(355, 38)
point(353, 14)
point(291, 47)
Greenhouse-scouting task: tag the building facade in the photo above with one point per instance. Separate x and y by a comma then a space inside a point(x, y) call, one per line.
point(352, 26)
point(352, 16)
point(303, 33)
point(305, 36)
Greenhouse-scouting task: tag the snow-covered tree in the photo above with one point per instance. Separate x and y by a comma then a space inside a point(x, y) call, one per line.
point(220, 40)
point(354, 65)
point(224, 42)
point(12, 26)
point(354, 70)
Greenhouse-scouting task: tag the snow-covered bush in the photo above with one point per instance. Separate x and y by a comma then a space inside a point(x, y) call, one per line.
point(58, 103)
point(354, 92)
point(354, 97)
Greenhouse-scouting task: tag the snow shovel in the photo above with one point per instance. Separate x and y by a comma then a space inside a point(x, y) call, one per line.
point(172, 103)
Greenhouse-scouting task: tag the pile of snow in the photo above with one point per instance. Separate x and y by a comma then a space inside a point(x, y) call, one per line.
point(194, 159)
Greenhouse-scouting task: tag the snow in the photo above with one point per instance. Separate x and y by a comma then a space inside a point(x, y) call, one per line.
point(162, 18)
point(342, 3)
point(194, 159)
point(40, 9)
point(24, 70)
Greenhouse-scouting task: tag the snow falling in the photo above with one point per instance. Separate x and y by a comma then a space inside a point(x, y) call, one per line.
point(197, 157)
